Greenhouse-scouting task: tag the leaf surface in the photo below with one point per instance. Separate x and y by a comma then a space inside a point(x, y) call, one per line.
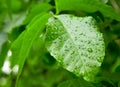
point(76, 43)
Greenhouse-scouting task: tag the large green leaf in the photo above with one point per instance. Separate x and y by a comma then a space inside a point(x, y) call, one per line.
point(21, 47)
point(76, 44)
point(87, 6)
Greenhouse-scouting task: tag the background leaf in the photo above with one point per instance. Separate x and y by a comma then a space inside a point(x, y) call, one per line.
point(36, 9)
point(89, 6)
point(76, 43)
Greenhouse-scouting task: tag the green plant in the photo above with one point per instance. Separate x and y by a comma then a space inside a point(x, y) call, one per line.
point(69, 44)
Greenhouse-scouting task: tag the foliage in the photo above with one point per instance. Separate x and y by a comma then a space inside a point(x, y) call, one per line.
point(60, 43)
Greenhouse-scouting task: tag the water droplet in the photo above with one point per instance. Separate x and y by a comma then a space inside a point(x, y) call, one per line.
point(100, 59)
point(90, 50)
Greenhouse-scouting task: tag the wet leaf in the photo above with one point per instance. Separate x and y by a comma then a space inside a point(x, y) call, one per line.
point(76, 43)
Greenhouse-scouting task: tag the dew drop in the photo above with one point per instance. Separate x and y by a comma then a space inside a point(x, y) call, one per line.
point(100, 59)
point(90, 50)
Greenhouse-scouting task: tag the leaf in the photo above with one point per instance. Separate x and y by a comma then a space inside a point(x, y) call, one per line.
point(21, 47)
point(37, 9)
point(76, 43)
point(87, 6)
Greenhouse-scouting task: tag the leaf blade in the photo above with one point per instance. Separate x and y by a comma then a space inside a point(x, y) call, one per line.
point(27, 43)
point(73, 42)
